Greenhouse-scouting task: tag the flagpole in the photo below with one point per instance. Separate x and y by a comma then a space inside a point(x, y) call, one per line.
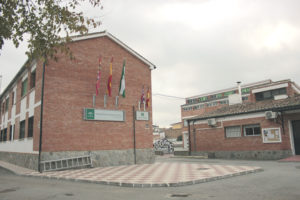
point(94, 100)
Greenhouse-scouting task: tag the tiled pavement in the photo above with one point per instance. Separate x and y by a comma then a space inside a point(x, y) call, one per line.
point(291, 159)
point(161, 174)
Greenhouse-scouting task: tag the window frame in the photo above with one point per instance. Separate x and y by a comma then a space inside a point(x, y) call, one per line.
point(261, 96)
point(6, 104)
point(24, 87)
point(30, 126)
point(13, 98)
point(22, 134)
point(32, 79)
point(252, 126)
point(4, 139)
point(11, 134)
point(227, 127)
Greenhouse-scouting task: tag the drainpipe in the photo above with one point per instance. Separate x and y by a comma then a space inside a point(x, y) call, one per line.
point(194, 134)
point(134, 139)
point(189, 131)
point(41, 118)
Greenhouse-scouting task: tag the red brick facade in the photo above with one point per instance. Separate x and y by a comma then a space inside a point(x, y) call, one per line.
point(69, 86)
point(213, 139)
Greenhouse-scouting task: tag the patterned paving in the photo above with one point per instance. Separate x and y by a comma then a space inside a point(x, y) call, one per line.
point(146, 175)
point(291, 159)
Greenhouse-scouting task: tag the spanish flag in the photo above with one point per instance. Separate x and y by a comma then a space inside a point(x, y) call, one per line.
point(110, 78)
point(148, 98)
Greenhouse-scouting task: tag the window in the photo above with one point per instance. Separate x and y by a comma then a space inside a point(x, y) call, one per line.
point(219, 96)
point(22, 129)
point(12, 98)
point(24, 87)
point(6, 104)
point(30, 127)
point(244, 98)
point(226, 94)
point(245, 90)
point(3, 106)
point(1, 134)
point(32, 79)
point(185, 123)
point(252, 130)
point(233, 131)
point(269, 94)
point(4, 135)
point(11, 132)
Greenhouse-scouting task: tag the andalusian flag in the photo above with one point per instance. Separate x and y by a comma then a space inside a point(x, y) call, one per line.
point(98, 77)
point(122, 81)
point(110, 78)
point(148, 98)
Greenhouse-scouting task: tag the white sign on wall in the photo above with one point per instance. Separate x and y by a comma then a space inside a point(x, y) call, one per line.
point(271, 135)
point(104, 115)
point(142, 115)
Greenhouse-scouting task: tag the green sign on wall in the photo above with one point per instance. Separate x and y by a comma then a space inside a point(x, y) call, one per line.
point(89, 114)
point(103, 115)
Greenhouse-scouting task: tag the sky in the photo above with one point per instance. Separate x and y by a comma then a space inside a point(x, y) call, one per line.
point(198, 46)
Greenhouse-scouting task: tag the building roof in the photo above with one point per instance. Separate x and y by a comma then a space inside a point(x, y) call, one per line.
point(290, 103)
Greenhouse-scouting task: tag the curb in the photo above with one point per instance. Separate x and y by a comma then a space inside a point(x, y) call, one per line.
point(194, 157)
point(146, 185)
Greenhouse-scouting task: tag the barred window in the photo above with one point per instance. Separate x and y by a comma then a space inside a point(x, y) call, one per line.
point(22, 129)
point(233, 131)
point(30, 127)
point(252, 130)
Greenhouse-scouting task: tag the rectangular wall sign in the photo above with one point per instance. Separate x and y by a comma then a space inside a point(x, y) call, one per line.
point(271, 135)
point(103, 115)
point(142, 115)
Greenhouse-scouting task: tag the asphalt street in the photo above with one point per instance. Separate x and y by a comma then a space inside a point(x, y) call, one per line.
point(278, 181)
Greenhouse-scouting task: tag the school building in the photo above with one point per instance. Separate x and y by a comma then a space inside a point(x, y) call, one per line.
point(259, 120)
point(62, 115)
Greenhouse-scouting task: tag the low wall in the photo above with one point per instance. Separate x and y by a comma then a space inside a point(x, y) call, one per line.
point(102, 158)
point(246, 155)
point(106, 158)
point(27, 160)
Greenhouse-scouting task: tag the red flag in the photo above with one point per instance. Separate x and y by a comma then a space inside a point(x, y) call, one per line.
point(98, 77)
point(148, 98)
point(110, 78)
point(143, 96)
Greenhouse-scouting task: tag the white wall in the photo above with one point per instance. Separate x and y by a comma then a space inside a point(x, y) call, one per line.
point(19, 146)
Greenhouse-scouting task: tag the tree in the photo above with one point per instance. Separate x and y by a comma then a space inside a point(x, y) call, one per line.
point(45, 21)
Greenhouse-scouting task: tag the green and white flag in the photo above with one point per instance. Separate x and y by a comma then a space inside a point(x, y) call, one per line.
point(122, 81)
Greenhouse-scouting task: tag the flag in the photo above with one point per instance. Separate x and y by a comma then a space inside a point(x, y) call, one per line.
point(148, 98)
point(110, 78)
point(143, 96)
point(98, 77)
point(122, 81)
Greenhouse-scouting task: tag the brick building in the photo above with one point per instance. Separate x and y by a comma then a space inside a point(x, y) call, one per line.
point(69, 94)
point(174, 131)
point(253, 121)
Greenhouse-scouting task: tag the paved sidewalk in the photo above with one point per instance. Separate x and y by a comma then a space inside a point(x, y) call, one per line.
point(161, 174)
point(291, 159)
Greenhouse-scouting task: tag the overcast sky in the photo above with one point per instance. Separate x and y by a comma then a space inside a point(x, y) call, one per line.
point(198, 46)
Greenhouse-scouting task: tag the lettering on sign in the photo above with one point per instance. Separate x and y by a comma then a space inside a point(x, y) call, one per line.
point(104, 115)
point(142, 115)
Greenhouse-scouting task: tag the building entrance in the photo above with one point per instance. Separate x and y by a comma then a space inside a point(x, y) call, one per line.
point(296, 134)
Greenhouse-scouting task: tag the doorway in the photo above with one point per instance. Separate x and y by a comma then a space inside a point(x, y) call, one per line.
point(296, 134)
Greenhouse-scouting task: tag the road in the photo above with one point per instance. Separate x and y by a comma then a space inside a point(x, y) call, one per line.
point(278, 181)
